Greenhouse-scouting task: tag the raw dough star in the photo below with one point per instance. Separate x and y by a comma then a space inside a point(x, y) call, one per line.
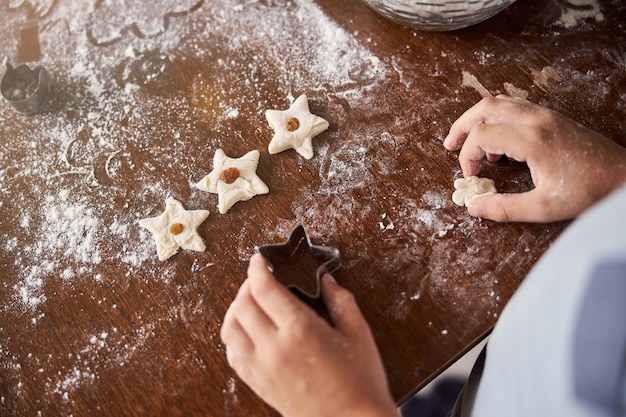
point(470, 187)
point(294, 128)
point(175, 228)
point(233, 179)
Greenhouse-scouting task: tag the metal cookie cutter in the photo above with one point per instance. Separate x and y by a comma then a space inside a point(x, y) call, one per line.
point(27, 90)
point(299, 256)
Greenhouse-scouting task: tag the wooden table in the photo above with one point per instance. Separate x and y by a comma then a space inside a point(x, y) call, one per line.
point(92, 323)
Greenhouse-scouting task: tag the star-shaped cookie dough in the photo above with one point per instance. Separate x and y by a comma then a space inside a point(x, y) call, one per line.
point(175, 228)
point(294, 128)
point(233, 179)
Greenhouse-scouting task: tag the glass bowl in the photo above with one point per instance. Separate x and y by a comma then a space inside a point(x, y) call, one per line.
point(440, 15)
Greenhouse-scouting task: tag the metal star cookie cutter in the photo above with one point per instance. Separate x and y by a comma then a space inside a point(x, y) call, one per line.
point(283, 256)
point(27, 90)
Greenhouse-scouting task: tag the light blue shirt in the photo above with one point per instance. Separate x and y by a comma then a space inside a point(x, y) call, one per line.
point(554, 351)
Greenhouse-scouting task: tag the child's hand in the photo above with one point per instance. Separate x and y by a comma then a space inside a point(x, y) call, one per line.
point(294, 360)
point(571, 166)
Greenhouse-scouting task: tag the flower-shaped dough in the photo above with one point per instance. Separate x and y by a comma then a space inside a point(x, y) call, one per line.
point(470, 187)
point(233, 179)
point(294, 128)
point(175, 228)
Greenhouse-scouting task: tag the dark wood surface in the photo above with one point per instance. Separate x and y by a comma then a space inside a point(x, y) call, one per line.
point(91, 323)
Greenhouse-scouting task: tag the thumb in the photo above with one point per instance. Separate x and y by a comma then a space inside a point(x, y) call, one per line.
point(342, 308)
point(517, 207)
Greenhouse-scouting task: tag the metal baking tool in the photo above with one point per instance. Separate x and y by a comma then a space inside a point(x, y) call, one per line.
point(27, 90)
point(298, 256)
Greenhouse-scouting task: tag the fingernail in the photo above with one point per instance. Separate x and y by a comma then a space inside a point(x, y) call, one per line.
point(330, 278)
point(475, 210)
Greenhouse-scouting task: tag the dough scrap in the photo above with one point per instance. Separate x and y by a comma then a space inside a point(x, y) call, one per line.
point(174, 228)
point(233, 179)
point(470, 187)
point(294, 128)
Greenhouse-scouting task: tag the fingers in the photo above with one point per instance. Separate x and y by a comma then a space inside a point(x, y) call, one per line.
point(251, 314)
point(493, 157)
point(342, 307)
point(245, 322)
point(239, 345)
point(262, 306)
point(490, 110)
point(527, 207)
point(475, 115)
point(234, 335)
point(280, 304)
point(493, 141)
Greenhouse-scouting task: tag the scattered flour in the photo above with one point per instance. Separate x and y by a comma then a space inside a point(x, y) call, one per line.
point(89, 187)
point(578, 10)
point(514, 91)
point(470, 80)
point(69, 232)
point(69, 235)
point(543, 77)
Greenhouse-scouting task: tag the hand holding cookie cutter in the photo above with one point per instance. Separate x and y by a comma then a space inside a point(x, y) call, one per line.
point(27, 90)
point(283, 254)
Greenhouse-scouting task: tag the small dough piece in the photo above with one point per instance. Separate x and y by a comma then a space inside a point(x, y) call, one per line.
point(175, 228)
point(233, 179)
point(294, 128)
point(470, 187)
